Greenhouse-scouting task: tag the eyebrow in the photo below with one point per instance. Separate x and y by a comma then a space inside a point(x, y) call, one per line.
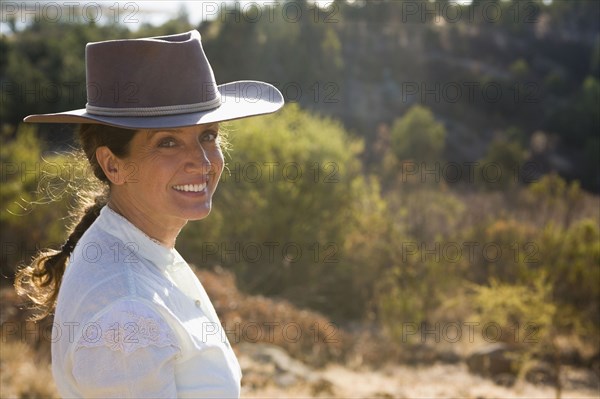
point(154, 132)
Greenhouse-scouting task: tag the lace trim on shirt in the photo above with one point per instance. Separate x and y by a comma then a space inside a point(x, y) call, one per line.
point(126, 333)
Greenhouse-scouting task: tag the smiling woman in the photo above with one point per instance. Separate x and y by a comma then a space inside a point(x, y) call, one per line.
point(139, 322)
point(181, 169)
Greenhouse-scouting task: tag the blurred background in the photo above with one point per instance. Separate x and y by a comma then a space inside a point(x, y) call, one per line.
point(420, 220)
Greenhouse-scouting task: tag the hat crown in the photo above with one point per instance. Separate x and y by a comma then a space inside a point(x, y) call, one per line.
point(150, 77)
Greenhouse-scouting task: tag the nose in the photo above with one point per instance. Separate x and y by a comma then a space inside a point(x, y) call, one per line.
point(197, 160)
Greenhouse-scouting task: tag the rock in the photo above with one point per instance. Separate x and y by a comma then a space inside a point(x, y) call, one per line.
point(322, 386)
point(285, 380)
point(497, 361)
point(505, 379)
point(273, 354)
point(594, 363)
point(541, 373)
point(420, 354)
point(265, 363)
point(449, 357)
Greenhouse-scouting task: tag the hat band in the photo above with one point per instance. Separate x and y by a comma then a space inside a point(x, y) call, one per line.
point(155, 111)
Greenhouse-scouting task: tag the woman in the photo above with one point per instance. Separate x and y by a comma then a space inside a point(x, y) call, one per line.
point(131, 319)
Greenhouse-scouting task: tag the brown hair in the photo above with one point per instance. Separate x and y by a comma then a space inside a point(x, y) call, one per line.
point(40, 280)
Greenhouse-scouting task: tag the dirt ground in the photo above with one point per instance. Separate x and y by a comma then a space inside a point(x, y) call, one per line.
point(22, 376)
point(437, 381)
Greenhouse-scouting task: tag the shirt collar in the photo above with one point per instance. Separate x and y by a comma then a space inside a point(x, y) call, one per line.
point(121, 228)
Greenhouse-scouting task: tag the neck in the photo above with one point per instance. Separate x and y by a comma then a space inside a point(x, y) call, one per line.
point(159, 228)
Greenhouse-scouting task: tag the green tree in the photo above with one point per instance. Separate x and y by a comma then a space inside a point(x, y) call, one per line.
point(418, 136)
point(571, 259)
point(554, 200)
point(525, 314)
point(519, 68)
point(498, 169)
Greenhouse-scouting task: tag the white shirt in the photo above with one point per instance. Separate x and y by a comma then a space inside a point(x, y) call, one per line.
point(132, 320)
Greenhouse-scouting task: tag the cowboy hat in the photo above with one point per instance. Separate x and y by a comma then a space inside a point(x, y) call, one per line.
point(161, 82)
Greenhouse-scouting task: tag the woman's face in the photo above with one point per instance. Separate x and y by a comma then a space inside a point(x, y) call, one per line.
point(173, 173)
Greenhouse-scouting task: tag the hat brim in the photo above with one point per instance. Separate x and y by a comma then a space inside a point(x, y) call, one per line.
point(239, 99)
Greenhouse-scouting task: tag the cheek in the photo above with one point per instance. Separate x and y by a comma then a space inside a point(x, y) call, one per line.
point(218, 162)
point(156, 173)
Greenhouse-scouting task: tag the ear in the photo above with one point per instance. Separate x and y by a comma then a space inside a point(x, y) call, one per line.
point(111, 165)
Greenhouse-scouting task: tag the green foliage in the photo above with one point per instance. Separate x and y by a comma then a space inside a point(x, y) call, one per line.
point(510, 305)
point(418, 136)
point(332, 46)
point(410, 289)
point(295, 50)
point(519, 68)
point(440, 219)
point(498, 170)
point(45, 69)
point(38, 192)
point(572, 258)
point(17, 186)
point(552, 196)
point(399, 304)
point(367, 248)
point(523, 315)
point(579, 119)
point(293, 184)
point(328, 59)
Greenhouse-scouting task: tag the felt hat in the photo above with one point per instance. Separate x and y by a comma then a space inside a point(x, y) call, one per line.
point(161, 82)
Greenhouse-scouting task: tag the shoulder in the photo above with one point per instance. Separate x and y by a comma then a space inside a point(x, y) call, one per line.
point(98, 247)
point(127, 325)
point(128, 349)
point(102, 271)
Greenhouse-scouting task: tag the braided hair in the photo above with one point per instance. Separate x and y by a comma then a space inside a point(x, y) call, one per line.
point(40, 280)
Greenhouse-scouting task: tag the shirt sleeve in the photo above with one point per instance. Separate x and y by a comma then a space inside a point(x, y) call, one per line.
point(129, 351)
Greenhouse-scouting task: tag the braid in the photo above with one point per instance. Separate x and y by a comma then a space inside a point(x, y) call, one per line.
point(40, 281)
point(89, 216)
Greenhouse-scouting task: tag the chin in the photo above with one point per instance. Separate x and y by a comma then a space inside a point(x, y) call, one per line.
point(198, 214)
point(197, 218)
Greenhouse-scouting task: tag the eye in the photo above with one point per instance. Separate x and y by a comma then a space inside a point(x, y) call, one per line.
point(167, 142)
point(209, 136)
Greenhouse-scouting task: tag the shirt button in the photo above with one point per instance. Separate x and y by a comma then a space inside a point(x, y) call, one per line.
point(198, 303)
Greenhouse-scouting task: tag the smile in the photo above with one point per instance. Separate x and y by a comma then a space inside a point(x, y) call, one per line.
point(194, 188)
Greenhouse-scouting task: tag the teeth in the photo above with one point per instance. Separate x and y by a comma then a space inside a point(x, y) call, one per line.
point(195, 188)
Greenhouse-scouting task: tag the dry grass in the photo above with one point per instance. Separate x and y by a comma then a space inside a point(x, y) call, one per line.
point(400, 381)
point(305, 335)
point(24, 373)
point(25, 351)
